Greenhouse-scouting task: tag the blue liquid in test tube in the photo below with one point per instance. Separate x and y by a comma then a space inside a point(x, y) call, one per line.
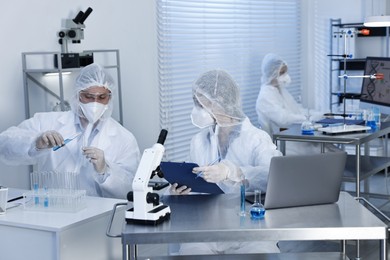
point(242, 206)
point(36, 198)
point(46, 200)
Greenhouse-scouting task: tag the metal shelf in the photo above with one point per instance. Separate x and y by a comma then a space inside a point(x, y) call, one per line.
point(369, 165)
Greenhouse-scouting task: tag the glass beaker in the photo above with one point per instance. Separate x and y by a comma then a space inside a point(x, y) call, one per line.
point(257, 209)
point(307, 126)
point(371, 120)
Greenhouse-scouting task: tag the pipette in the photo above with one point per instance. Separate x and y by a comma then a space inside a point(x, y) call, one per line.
point(378, 76)
point(55, 148)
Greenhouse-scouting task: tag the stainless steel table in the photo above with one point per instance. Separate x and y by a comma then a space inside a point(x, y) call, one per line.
point(359, 167)
point(206, 218)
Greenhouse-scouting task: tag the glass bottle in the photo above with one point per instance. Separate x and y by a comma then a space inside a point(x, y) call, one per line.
point(257, 209)
point(307, 127)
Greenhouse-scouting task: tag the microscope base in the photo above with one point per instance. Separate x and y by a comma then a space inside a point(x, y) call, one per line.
point(156, 216)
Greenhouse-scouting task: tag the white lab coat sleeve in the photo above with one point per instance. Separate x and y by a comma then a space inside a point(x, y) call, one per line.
point(260, 151)
point(17, 143)
point(122, 162)
point(272, 104)
point(316, 115)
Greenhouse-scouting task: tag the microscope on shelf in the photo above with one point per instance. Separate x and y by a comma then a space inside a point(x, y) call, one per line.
point(147, 208)
point(74, 33)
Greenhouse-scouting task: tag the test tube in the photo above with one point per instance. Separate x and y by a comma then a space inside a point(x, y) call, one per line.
point(46, 198)
point(242, 199)
point(35, 186)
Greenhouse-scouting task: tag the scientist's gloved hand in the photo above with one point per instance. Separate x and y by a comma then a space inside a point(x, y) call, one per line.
point(96, 157)
point(49, 139)
point(225, 170)
point(213, 173)
point(182, 190)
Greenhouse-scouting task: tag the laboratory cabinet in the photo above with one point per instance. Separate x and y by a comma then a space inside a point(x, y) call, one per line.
point(350, 44)
point(49, 80)
point(47, 235)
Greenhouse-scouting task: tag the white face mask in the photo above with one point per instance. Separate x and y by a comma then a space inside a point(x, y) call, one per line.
point(93, 111)
point(284, 80)
point(201, 118)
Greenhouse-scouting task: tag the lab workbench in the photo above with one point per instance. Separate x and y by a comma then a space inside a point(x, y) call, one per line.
point(359, 167)
point(208, 218)
point(49, 235)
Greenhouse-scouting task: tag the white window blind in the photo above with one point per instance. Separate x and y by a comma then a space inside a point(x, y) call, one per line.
point(322, 39)
point(196, 36)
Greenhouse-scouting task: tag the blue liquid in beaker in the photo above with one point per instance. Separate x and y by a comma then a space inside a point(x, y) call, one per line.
point(257, 212)
point(371, 124)
point(308, 132)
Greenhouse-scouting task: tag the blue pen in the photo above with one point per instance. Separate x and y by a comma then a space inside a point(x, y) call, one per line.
point(201, 173)
point(55, 148)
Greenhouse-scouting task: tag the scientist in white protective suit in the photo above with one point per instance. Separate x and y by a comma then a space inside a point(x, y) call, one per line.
point(277, 109)
point(103, 153)
point(236, 149)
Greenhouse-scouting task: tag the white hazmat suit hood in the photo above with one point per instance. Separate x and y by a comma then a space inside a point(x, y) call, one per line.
point(93, 76)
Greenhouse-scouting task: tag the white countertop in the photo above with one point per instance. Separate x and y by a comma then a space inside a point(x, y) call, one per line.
point(57, 221)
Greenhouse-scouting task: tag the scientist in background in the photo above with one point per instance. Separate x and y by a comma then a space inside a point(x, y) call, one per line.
point(229, 149)
point(277, 109)
point(103, 153)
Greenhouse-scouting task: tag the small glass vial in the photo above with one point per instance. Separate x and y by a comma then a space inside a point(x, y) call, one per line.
point(377, 117)
point(371, 121)
point(257, 209)
point(307, 126)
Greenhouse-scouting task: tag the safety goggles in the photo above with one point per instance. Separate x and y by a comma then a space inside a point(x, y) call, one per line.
point(86, 97)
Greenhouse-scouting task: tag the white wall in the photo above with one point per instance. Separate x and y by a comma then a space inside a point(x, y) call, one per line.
point(30, 26)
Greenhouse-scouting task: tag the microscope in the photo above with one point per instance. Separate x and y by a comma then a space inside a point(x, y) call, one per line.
point(147, 208)
point(74, 33)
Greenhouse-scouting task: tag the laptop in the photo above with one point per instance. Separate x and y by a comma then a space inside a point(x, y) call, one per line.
point(302, 180)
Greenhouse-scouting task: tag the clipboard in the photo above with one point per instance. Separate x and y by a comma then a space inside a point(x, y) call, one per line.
point(181, 173)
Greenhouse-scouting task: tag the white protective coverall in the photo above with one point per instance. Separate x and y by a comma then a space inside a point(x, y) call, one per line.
point(244, 151)
point(276, 107)
point(121, 152)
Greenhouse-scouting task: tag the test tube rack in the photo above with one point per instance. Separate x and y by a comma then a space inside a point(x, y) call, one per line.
point(55, 200)
point(54, 191)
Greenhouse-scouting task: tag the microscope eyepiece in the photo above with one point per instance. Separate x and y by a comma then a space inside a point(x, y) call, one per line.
point(78, 17)
point(85, 15)
point(162, 136)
